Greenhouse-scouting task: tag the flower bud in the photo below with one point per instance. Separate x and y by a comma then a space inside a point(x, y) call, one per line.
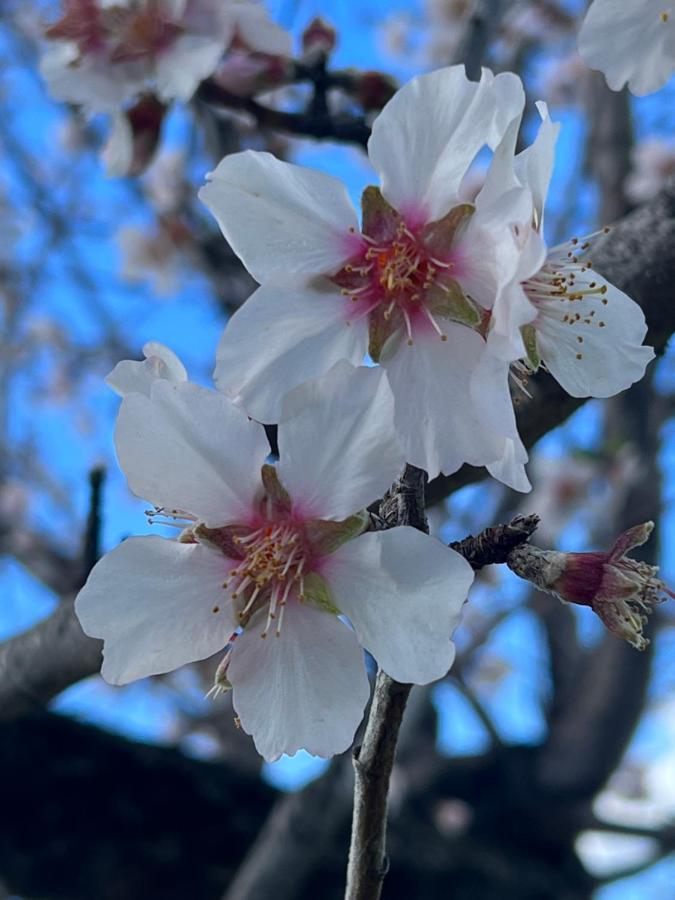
point(318, 39)
point(621, 591)
point(374, 90)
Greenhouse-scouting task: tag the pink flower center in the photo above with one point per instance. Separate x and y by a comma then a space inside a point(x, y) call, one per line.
point(393, 277)
point(276, 558)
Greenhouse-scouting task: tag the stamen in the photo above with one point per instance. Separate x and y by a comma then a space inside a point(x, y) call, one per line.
point(435, 324)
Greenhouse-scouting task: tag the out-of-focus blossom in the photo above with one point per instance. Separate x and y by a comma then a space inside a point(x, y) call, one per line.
point(154, 256)
point(102, 55)
point(246, 74)
point(561, 487)
point(630, 41)
point(653, 164)
point(134, 138)
point(565, 80)
point(406, 288)
point(165, 184)
point(620, 590)
point(269, 557)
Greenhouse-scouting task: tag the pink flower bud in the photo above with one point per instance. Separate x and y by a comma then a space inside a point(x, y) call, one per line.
point(318, 38)
point(374, 90)
point(620, 590)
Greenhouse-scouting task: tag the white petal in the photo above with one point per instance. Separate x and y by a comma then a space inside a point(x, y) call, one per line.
point(280, 338)
point(427, 136)
point(610, 357)
point(489, 250)
point(337, 446)
point(152, 601)
point(510, 469)
point(87, 81)
point(434, 415)
point(534, 165)
point(258, 32)
point(189, 60)
point(306, 688)
point(512, 308)
point(403, 591)
point(282, 220)
point(188, 448)
point(630, 42)
point(130, 376)
point(491, 399)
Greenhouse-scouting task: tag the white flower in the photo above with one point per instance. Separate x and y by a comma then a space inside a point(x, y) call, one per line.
point(653, 163)
point(630, 41)
point(271, 557)
point(562, 313)
point(403, 289)
point(103, 54)
point(154, 255)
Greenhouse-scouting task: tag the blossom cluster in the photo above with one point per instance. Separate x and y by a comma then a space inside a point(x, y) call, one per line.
point(449, 297)
point(374, 340)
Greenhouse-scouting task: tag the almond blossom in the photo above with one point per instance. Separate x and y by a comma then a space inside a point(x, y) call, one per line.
point(558, 311)
point(632, 41)
point(408, 285)
point(105, 52)
point(270, 560)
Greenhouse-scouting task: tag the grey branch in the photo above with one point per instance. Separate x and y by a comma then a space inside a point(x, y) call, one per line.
point(43, 661)
point(374, 759)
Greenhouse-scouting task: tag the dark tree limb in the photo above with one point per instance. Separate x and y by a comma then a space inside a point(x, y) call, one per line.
point(348, 129)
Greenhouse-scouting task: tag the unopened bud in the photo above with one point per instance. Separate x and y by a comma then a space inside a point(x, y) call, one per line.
point(318, 39)
point(373, 90)
point(620, 590)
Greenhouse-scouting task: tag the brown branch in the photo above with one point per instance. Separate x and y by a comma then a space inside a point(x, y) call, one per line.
point(374, 759)
point(348, 129)
point(494, 544)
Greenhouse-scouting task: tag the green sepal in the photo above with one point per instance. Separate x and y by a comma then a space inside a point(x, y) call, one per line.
point(275, 490)
point(379, 220)
point(439, 236)
point(529, 334)
point(452, 304)
point(223, 538)
point(381, 329)
point(317, 592)
point(326, 536)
